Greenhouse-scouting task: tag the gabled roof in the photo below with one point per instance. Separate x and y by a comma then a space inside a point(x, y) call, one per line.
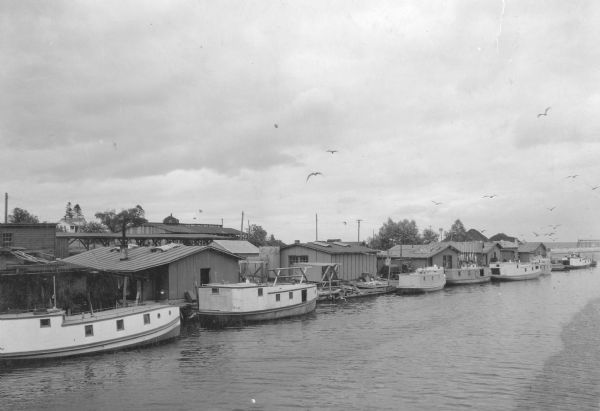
point(139, 258)
point(236, 246)
point(530, 247)
point(420, 250)
point(507, 245)
point(336, 247)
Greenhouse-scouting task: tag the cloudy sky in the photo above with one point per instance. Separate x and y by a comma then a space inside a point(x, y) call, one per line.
point(206, 109)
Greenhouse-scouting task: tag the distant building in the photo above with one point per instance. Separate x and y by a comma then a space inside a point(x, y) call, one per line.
point(354, 259)
point(164, 272)
point(71, 225)
point(527, 251)
point(510, 250)
point(216, 230)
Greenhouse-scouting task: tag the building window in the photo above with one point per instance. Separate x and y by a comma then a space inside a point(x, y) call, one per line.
point(44, 322)
point(120, 325)
point(146, 318)
point(215, 291)
point(7, 240)
point(277, 297)
point(260, 292)
point(291, 295)
point(294, 259)
point(89, 330)
point(158, 315)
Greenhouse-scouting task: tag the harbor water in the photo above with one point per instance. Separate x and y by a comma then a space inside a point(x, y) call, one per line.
point(518, 345)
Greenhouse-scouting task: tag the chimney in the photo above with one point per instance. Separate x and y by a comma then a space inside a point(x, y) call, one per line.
point(296, 241)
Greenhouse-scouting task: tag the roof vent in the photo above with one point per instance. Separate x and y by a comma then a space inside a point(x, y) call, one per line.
point(164, 248)
point(341, 244)
point(321, 243)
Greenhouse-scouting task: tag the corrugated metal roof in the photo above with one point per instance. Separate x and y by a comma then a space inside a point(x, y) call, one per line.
point(139, 258)
point(236, 246)
point(419, 250)
point(334, 247)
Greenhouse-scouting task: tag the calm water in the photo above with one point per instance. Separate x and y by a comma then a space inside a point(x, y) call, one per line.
point(523, 345)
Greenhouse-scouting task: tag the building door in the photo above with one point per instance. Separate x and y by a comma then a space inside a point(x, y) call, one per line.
point(204, 276)
point(447, 261)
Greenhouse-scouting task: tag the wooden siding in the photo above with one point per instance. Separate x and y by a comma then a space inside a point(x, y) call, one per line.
point(31, 237)
point(351, 265)
point(438, 259)
point(183, 274)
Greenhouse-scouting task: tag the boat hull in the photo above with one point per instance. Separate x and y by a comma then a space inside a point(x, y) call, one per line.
point(222, 318)
point(515, 271)
point(70, 339)
point(421, 281)
point(471, 275)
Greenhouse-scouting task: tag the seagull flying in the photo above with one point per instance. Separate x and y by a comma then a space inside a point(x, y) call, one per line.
point(490, 196)
point(275, 125)
point(436, 202)
point(332, 151)
point(345, 222)
point(593, 188)
point(545, 113)
point(536, 234)
point(316, 173)
point(573, 176)
point(551, 208)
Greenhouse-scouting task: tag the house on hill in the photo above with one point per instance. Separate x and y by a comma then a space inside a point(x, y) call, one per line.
point(353, 259)
point(163, 272)
point(72, 224)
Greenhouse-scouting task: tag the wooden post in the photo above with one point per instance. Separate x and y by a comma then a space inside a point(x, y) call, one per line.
point(124, 291)
point(316, 227)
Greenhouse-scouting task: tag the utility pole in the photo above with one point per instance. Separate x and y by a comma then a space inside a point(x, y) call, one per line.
point(5, 208)
point(242, 227)
point(316, 227)
point(358, 221)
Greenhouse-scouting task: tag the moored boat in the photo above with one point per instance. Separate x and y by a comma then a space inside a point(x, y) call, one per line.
point(289, 294)
point(575, 261)
point(52, 333)
point(545, 264)
point(514, 271)
point(469, 274)
point(421, 280)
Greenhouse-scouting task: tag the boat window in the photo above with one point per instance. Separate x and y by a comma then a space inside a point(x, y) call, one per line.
point(44, 322)
point(89, 330)
point(158, 315)
point(304, 295)
point(215, 291)
point(291, 295)
point(277, 297)
point(260, 292)
point(169, 312)
point(120, 325)
point(146, 318)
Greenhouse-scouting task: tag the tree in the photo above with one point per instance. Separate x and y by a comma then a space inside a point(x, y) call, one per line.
point(69, 211)
point(77, 210)
point(457, 232)
point(392, 233)
point(429, 236)
point(21, 216)
point(132, 217)
point(170, 220)
point(93, 227)
point(257, 235)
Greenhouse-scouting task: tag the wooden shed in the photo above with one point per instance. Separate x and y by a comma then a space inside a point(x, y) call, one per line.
point(31, 237)
point(527, 251)
point(164, 272)
point(354, 259)
point(408, 257)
